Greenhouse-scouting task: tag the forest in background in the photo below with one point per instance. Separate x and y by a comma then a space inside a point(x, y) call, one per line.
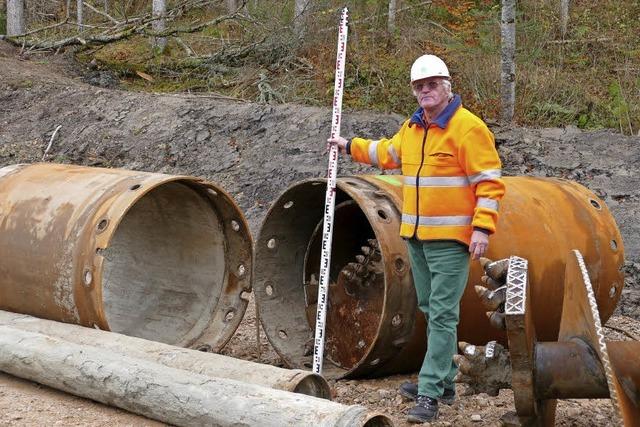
point(586, 74)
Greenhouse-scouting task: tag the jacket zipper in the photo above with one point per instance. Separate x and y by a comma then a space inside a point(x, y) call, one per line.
point(424, 140)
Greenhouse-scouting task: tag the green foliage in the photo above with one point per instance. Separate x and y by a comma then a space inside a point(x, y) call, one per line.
point(588, 79)
point(3, 23)
point(618, 106)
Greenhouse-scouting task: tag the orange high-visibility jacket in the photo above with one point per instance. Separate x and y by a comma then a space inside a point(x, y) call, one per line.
point(451, 173)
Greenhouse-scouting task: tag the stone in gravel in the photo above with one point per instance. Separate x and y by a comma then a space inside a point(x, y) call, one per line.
point(384, 393)
point(476, 418)
point(573, 413)
point(483, 403)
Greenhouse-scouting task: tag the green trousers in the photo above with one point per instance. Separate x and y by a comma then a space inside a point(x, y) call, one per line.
point(440, 270)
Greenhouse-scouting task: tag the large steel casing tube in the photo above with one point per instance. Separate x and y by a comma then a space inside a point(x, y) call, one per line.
point(174, 396)
point(375, 330)
point(161, 257)
point(204, 363)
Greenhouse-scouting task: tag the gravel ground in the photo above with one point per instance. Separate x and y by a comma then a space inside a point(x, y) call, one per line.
point(24, 403)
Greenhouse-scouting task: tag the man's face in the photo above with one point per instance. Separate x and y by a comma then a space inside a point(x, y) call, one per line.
point(430, 93)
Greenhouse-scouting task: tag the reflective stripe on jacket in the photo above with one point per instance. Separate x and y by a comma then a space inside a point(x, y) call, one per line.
point(451, 172)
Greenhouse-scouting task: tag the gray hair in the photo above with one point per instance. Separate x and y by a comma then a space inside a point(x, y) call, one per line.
point(446, 83)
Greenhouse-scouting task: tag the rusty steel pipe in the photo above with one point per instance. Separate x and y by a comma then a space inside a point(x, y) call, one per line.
point(372, 326)
point(582, 364)
point(624, 361)
point(573, 370)
point(166, 258)
point(568, 370)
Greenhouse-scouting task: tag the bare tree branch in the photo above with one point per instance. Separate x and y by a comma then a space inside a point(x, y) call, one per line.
point(53, 135)
point(106, 15)
point(120, 33)
point(59, 24)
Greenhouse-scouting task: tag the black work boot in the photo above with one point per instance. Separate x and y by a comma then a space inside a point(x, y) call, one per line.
point(409, 390)
point(425, 411)
point(448, 396)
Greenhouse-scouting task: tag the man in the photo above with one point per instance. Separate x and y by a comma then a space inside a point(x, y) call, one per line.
point(452, 187)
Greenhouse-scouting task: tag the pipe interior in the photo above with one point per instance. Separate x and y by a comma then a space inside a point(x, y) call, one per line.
point(313, 385)
point(165, 266)
point(287, 254)
point(378, 421)
point(353, 311)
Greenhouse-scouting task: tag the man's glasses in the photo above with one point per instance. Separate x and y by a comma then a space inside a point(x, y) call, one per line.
point(432, 85)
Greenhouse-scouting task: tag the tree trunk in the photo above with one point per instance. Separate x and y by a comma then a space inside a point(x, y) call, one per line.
point(174, 396)
point(208, 364)
point(15, 17)
point(299, 17)
point(508, 51)
point(159, 24)
point(564, 17)
point(391, 22)
point(79, 10)
point(232, 5)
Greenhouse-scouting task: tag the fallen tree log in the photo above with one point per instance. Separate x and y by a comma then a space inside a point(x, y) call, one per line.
point(207, 364)
point(167, 394)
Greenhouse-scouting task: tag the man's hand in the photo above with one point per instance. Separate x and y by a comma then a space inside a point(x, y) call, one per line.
point(479, 244)
point(340, 142)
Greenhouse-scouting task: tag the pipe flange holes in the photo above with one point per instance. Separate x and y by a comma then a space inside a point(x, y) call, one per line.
point(268, 289)
point(383, 215)
point(271, 243)
point(595, 204)
point(399, 266)
point(229, 315)
point(87, 277)
point(205, 348)
point(102, 225)
point(613, 290)
point(396, 321)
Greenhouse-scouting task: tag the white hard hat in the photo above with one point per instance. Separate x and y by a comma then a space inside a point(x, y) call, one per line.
point(428, 66)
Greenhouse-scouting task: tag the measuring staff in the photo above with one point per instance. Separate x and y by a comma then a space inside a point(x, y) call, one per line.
point(330, 199)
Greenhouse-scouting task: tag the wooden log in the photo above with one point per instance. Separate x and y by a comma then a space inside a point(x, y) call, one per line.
point(170, 395)
point(208, 364)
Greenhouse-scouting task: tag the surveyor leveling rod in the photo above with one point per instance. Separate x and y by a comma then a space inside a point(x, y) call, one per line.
point(330, 200)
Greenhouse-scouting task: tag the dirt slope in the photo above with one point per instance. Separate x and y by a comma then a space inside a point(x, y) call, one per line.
point(256, 151)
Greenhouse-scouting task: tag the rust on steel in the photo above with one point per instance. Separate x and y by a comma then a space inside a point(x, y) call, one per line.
point(623, 356)
point(373, 327)
point(162, 257)
point(581, 364)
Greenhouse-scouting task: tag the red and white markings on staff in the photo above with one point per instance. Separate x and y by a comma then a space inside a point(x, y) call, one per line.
point(330, 200)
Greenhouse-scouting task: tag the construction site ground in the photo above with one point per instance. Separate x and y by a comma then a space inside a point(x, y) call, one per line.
point(255, 151)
